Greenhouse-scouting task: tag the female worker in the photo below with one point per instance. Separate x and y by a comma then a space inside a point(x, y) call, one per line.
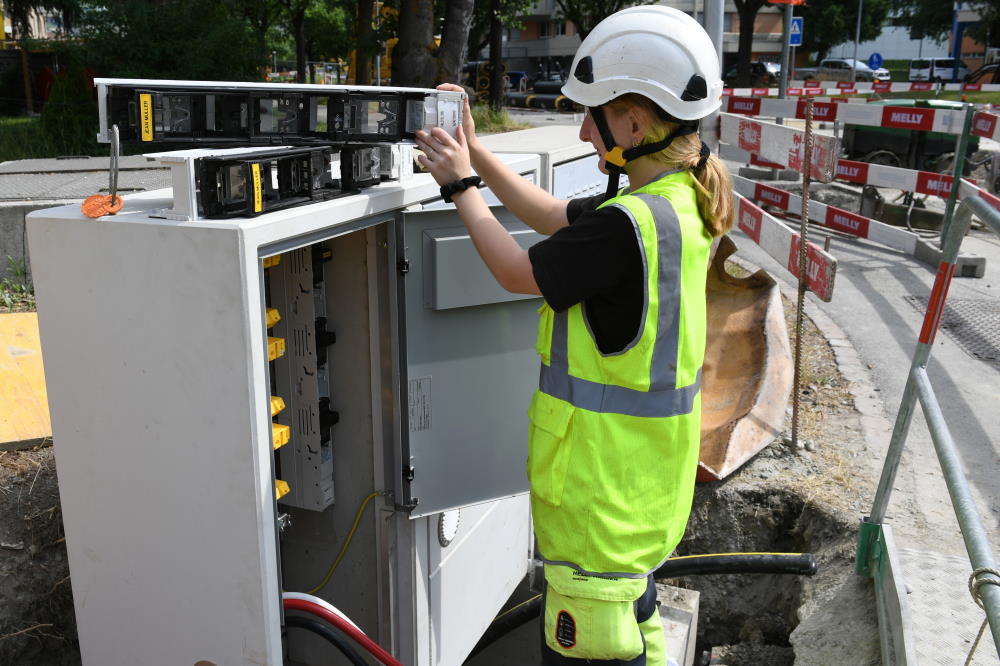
point(615, 422)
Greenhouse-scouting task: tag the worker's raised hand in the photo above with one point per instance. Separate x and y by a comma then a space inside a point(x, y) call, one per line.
point(446, 158)
point(467, 122)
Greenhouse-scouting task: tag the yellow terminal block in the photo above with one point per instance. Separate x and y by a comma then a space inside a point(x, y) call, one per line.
point(277, 404)
point(280, 489)
point(275, 348)
point(272, 317)
point(280, 434)
point(272, 261)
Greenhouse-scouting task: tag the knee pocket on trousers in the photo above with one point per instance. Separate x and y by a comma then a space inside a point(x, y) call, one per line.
point(591, 628)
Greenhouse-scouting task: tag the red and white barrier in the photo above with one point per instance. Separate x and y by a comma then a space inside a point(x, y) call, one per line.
point(782, 245)
point(830, 216)
point(973, 87)
point(863, 173)
point(781, 145)
point(968, 188)
point(986, 125)
point(810, 88)
point(908, 180)
point(898, 117)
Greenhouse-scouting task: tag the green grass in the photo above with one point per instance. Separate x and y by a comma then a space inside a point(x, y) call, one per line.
point(17, 293)
point(21, 138)
point(489, 121)
point(899, 69)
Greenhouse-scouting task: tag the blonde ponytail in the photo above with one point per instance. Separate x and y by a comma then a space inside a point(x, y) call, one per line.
point(712, 183)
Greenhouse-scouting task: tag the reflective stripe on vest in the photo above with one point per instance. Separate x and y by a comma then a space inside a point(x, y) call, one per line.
point(663, 399)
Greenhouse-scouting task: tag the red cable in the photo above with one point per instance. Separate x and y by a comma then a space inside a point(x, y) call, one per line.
point(359, 637)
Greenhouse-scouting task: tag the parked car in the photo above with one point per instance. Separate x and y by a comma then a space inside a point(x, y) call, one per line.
point(985, 74)
point(762, 74)
point(841, 69)
point(937, 69)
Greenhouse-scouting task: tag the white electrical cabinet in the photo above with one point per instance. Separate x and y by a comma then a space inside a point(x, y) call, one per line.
point(192, 499)
point(156, 340)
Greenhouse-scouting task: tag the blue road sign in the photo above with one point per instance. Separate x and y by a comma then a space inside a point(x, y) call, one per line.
point(795, 32)
point(875, 60)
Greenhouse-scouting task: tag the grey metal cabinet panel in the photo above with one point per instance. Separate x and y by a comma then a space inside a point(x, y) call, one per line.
point(470, 374)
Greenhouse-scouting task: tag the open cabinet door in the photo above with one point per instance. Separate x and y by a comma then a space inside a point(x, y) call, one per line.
point(469, 367)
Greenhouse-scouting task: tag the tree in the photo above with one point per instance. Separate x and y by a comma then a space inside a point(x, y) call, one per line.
point(19, 12)
point(454, 40)
point(169, 39)
point(365, 43)
point(930, 18)
point(586, 14)
point(747, 10)
point(511, 12)
point(328, 30)
point(496, 57)
point(933, 19)
point(839, 19)
point(295, 14)
point(261, 16)
point(413, 61)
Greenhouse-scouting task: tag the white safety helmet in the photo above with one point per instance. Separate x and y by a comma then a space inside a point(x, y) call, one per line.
point(658, 52)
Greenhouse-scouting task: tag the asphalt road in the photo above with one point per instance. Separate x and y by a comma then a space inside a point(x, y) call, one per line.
point(872, 304)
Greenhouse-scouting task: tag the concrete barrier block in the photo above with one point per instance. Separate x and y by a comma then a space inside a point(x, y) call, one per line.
point(13, 241)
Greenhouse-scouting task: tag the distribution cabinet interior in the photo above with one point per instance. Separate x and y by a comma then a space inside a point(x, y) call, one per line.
point(162, 347)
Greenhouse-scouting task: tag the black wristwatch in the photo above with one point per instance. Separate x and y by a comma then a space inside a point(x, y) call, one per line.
point(457, 186)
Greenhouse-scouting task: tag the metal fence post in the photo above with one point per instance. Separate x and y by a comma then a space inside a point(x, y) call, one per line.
point(957, 170)
point(952, 243)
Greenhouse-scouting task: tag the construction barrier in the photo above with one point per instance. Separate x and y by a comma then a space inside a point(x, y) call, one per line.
point(808, 88)
point(986, 125)
point(968, 189)
point(830, 217)
point(898, 117)
point(782, 245)
point(781, 145)
point(785, 146)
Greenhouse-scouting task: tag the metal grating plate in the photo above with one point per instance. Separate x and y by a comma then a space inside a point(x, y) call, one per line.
point(974, 325)
point(944, 618)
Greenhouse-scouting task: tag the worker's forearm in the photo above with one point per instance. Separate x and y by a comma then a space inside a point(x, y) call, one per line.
point(507, 261)
point(529, 203)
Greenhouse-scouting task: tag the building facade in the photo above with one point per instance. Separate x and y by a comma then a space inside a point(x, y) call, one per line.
point(544, 47)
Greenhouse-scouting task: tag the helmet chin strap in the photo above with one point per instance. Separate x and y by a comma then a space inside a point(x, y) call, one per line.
point(616, 158)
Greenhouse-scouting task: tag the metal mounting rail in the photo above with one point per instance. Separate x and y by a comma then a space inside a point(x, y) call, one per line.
point(149, 111)
point(872, 543)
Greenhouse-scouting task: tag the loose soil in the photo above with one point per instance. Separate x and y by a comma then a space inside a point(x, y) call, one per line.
point(805, 498)
point(37, 625)
point(791, 498)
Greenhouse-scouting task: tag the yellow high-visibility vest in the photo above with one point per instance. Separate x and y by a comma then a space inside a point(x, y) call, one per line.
point(613, 439)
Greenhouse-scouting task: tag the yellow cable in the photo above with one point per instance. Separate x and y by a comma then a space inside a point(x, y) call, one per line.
point(343, 549)
point(514, 608)
point(689, 557)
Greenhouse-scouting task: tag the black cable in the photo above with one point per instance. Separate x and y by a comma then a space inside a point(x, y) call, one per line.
point(508, 622)
point(802, 564)
point(329, 633)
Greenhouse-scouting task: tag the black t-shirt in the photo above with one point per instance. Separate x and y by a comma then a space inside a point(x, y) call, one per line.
point(596, 260)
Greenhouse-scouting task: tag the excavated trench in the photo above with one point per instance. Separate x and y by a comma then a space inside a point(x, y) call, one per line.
point(747, 619)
